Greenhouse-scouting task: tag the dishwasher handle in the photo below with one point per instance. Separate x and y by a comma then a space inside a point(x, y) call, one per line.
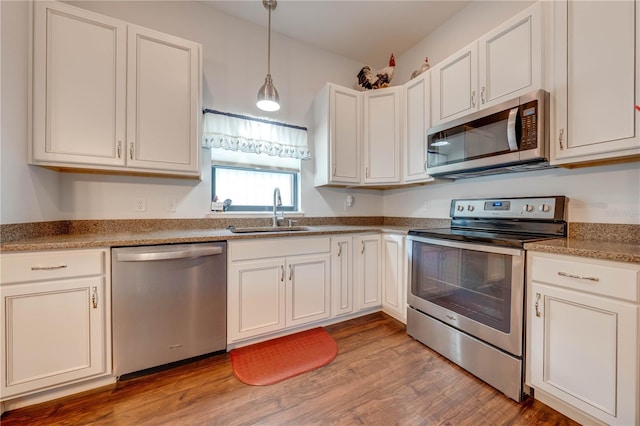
point(165, 255)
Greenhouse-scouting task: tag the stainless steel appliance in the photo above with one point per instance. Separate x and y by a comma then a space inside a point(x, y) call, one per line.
point(466, 283)
point(168, 304)
point(509, 137)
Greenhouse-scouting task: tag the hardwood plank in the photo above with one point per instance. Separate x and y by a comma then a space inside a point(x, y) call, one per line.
point(381, 376)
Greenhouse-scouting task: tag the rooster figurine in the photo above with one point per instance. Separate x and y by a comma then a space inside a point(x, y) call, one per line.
point(376, 80)
point(425, 66)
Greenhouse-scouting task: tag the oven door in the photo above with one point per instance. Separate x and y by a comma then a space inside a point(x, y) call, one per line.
point(478, 289)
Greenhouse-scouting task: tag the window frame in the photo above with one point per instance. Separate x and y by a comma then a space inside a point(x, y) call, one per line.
point(259, 208)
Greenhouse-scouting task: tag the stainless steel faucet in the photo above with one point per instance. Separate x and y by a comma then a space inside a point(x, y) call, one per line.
point(277, 201)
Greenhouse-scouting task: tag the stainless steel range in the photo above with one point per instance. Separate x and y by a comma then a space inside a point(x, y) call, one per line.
point(466, 283)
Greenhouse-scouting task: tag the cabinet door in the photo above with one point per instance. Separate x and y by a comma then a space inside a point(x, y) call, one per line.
point(417, 113)
point(341, 275)
point(256, 291)
point(368, 271)
point(596, 76)
point(455, 85)
point(308, 289)
point(382, 135)
point(345, 109)
point(52, 333)
point(163, 98)
point(510, 58)
point(79, 87)
point(584, 351)
point(393, 282)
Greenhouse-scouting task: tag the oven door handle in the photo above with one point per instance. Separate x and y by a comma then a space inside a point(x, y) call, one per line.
point(468, 246)
point(512, 138)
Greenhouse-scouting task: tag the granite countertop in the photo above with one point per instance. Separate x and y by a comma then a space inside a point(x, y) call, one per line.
point(598, 241)
point(593, 248)
point(89, 240)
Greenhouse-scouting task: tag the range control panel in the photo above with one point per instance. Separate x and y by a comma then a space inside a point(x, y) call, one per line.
point(546, 208)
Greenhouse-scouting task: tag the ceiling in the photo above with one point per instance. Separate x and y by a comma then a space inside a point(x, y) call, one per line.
point(365, 31)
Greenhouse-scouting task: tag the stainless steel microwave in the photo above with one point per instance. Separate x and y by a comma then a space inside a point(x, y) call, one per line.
point(509, 137)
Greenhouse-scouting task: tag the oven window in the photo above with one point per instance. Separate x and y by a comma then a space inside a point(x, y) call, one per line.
point(472, 283)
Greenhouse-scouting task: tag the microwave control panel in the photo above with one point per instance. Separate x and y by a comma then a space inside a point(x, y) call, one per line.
point(529, 119)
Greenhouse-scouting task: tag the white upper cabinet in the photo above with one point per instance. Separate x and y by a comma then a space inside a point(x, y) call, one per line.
point(79, 86)
point(454, 91)
point(501, 65)
point(105, 100)
point(162, 101)
point(417, 119)
point(596, 81)
point(337, 135)
point(357, 136)
point(382, 135)
point(510, 58)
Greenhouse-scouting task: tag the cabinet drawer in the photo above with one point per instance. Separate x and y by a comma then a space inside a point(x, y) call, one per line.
point(277, 247)
point(611, 279)
point(51, 265)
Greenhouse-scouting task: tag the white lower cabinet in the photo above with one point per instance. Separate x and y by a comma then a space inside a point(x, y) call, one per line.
point(582, 339)
point(368, 273)
point(393, 260)
point(274, 284)
point(55, 319)
point(342, 275)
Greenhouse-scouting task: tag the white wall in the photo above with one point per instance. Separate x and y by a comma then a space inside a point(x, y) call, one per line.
point(234, 69)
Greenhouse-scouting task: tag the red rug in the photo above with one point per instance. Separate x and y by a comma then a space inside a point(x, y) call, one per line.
point(273, 361)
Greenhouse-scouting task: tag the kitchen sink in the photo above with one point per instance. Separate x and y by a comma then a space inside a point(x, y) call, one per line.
point(249, 229)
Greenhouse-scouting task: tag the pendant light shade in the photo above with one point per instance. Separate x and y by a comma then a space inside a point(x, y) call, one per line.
point(268, 98)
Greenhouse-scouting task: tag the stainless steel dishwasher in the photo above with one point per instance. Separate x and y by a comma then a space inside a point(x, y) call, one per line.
point(168, 304)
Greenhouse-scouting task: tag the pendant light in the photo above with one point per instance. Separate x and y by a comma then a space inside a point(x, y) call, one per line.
point(268, 98)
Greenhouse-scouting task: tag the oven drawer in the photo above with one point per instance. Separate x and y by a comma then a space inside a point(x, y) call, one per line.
point(605, 278)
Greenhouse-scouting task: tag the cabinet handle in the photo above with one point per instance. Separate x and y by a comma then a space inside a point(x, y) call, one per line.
point(473, 98)
point(560, 138)
point(48, 268)
point(94, 297)
point(131, 150)
point(362, 251)
point(333, 170)
point(482, 94)
point(119, 149)
point(290, 272)
point(281, 273)
point(425, 166)
point(366, 172)
point(339, 249)
point(579, 277)
point(537, 304)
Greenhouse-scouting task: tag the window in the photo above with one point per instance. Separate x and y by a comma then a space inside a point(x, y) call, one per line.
point(251, 157)
point(252, 188)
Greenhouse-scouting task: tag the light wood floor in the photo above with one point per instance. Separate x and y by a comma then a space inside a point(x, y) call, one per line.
point(380, 377)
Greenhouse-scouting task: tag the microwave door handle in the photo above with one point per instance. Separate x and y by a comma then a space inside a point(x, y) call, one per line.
point(511, 129)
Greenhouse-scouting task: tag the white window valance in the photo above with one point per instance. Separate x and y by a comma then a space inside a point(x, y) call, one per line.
point(236, 132)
